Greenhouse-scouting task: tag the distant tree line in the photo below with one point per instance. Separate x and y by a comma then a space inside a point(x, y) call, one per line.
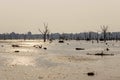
point(65, 36)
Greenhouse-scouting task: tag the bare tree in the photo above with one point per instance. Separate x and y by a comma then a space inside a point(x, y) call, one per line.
point(45, 32)
point(90, 35)
point(104, 31)
point(97, 37)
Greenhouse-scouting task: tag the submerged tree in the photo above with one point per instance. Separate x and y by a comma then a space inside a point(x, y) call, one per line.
point(97, 37)
point(104, 31)
point(45, 32)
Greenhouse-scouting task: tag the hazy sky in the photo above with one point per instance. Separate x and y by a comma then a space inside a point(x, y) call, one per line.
point(61, 15)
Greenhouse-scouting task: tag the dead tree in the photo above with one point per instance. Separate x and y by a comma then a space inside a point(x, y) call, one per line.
point(89, 36)
point(45, 32)
point(97, 37)
point(104, 31)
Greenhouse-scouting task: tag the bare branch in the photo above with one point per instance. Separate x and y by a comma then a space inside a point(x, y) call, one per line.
point(104, 30)
point(45, 32)
point(41, 31)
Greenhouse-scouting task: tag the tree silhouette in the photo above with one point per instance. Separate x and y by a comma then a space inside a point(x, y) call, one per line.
point(104, 31)
point(45, 32)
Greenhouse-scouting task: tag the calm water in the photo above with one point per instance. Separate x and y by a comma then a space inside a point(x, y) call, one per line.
point(64, 55)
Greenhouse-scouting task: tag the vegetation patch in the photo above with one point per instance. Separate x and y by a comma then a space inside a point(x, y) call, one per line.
point(80, 48)
point(61, 41)
point(15, 45)
point(90, 73)
point(101, 54)
point(17, 51)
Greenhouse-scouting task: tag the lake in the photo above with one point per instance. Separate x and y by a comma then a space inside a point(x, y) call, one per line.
point(36, 60)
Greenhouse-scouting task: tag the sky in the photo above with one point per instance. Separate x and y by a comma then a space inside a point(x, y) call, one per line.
point(66, 16)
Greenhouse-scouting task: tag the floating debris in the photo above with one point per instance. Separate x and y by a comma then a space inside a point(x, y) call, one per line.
point(90, 73)
point(38, 46)
point(17, 51)
point(107, 49)
point(15, 45)
point(45, 48)
point(101, 54)
point(79, 48)
point(61, 41)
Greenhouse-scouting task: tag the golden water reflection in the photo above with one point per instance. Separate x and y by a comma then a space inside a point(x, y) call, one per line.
point(22, 60)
